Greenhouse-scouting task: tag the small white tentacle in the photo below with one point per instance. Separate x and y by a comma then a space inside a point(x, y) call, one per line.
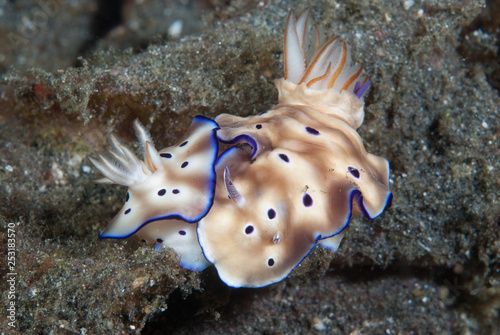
point(294, 56)
point(143, 136)
point(110, 170)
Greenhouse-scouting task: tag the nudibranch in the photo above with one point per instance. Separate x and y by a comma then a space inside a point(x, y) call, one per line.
point(254, 195)
point(167, 192)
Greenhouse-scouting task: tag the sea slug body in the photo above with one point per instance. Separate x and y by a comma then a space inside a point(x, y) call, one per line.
point(253, 195)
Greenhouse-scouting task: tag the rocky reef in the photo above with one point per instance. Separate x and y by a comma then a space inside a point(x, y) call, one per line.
point(430, 264)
